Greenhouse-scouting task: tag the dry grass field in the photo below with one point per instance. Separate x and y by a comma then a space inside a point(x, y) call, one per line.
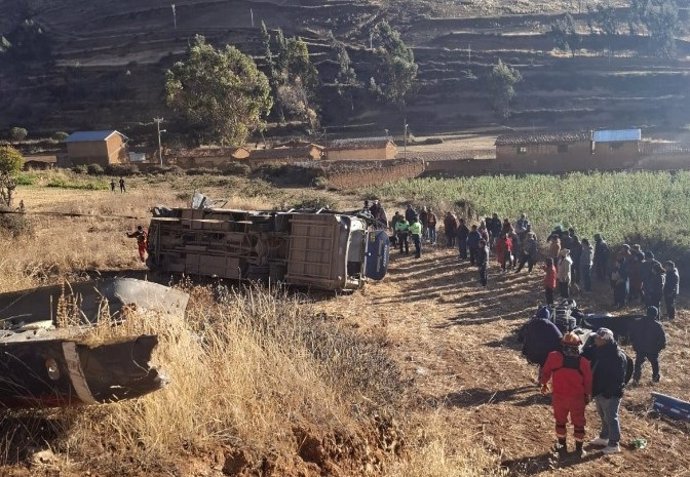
point(419, 375)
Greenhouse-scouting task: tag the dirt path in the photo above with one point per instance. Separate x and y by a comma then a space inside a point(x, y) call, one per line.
point(456, 342)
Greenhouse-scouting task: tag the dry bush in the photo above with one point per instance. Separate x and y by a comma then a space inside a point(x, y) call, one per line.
point(245, 374)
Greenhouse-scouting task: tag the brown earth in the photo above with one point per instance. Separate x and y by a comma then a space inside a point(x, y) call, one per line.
point(456, 341)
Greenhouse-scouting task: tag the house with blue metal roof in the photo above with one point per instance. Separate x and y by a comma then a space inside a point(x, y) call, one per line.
point(616, 148)
point(97, 147)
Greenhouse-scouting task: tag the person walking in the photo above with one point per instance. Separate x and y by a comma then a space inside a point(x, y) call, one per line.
point(550, 280)
point(473, 243)
point(529, 253)
point(142, 241)
point(504, 252)
point(572, 391)
point(654, 286)
point(602, 254)
point(463, 234)
point(564, 273)
point(402, 228)
point(416, 233)
point(112, 185)
point(431, 220)
point(123, 189)
point(671, 289)
point(483, 262)
point(494, 227)
point(648, 339)
point(522, 224)
point(612, 371)
point(586, 262)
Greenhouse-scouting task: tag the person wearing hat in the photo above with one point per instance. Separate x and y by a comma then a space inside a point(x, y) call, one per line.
point(572, 390)
point(671, 288)
point(648, 339)
point(540, 336)
point(565, 267)
point(612, 370)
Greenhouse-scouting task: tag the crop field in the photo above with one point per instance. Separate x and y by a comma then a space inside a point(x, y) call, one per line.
point(648, 206)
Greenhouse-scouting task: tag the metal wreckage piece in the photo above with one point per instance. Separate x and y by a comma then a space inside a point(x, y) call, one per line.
point(320, 249)
point(42, 365)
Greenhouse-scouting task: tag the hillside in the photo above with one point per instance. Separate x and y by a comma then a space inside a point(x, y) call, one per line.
point(106, 62)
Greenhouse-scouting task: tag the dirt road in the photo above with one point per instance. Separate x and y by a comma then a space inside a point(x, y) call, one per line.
point(456, 342)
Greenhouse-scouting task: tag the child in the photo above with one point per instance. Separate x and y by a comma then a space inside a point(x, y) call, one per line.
point(549, 280)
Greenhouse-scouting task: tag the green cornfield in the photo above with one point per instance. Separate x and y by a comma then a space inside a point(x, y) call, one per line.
point(651, 208)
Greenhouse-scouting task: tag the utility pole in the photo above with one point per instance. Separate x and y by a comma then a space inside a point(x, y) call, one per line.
point(405, 137)
point(251, 14)
point(174, 15)
point(158, 122)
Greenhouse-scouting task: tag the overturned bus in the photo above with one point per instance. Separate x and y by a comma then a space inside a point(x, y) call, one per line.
point(319, 249)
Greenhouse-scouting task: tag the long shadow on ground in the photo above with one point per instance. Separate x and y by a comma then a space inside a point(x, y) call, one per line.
point(546, 462)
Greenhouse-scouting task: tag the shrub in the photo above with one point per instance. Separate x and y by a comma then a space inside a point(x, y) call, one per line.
point(236, 169)
point(321, 182)
point(95, 170)
point(60, 136)
point(122, 170)
point(200, 171)
point(18, 134)
point(314, 201)
point(14, 225)
point(81, 169)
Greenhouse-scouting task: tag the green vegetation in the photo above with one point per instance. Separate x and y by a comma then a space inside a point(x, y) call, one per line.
point(11, 162)
point(564, 34)
point(18, 134)
point(660, 17)
point(622, 206)
point(502, 81)
point(221, 94)
point(398, 71)
point(66, 182)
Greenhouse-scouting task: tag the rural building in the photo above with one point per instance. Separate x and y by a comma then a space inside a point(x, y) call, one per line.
point(557, 151)
point(616, 149)
point(362, 149)
point(97, 147)
point(40, 162)
point(305, 153)
point(210, 157)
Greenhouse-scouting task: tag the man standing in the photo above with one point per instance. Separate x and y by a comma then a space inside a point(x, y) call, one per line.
point(671, 289)
point(142, 241)
point(540, 337)
point(586, 262)
point(565, 264)
point(394, 221)
point(483, 262)
point(494, 226)
point(648, 339)
point(112, 185)
point(572, 391)
point(423, 216)
point(450, 224)
point(653, 286)
point(612, 370)
point(529, 253)
point(402, 227)
point(463, 235)
point(473, 240)
point(601, 257)
point(123, 189)
point(416, 233)
point(431, 226)
point(410, 213)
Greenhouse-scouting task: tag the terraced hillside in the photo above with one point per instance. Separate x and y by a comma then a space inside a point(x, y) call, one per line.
point(106, 61)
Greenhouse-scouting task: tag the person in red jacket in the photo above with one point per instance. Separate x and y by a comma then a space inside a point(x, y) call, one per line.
point(550, 280)
point(142, 241)
point(572, 390)
point(504, 251)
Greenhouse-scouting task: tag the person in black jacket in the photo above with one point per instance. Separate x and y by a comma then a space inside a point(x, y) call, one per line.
point(463, 233)
point(648, 339)
point(602, 253)
point(473, 240)
point(671, 289)
point(483, 262)
point(653, 285)
point(612, 370)
point(540, 337)
point(410, 213)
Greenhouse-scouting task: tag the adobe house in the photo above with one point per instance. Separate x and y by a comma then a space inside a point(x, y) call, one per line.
point(97, 147)
point(616, 148)
point(362, 149)
point(212, 157)
point(555, 151)
point(40, 162)
point(305, 153)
